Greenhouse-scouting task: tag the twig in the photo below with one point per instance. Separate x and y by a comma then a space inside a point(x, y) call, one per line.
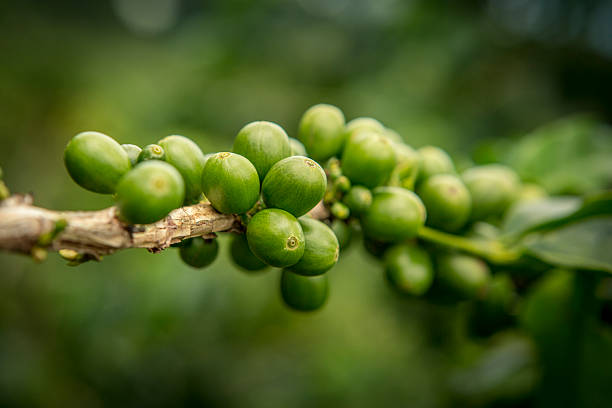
point(27, 229)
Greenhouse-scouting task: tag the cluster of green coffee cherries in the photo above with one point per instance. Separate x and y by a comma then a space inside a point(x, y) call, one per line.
point(369, 180)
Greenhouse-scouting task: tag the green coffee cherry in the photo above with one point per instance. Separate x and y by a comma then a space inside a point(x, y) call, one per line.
point(340, 210)
point(395, 214)
point(434, 160)
point(447, 201)
point(408, 269)
point(406, 170)
point(132, 151)
point(276, 237)
point(152, 152)
point(343, 233)
point(358, 200)
point(321, 130)
point(149, 192)
point(264, 144)
point(393, 136)
point(199, 252)
point(297, 148)
point(465, 275)
point(304, 293)
point(342, 184)
point(333, 169)
point(359, 125)
point(368, 159)
point(96, 162)
point(188, 159)
point(243, 257)
point(321, 250)
point(230, 183)
point(295, 184)
point(493, 188)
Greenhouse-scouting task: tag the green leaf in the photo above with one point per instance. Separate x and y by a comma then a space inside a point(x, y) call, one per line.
point(584, 244)
point(527, 215)
point(568, 156)
point(553, 212)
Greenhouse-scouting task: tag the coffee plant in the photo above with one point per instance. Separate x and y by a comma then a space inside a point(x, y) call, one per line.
point(441, 233)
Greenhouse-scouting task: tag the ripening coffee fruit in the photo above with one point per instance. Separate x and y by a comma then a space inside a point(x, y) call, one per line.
point(263, 143)
point(393, 136)
point(465, 275)
point(368, 159)
point(304, 293)
point(152, 152)
point(343, 233)
point(132, 151)
point(199, 252)
point(321, 250)
point(434, 160)
point(149, 192)
point(364, 124)
point(408, 269)
point(96, 162)
point(230, 182)
point(493, 188)
point(342, 184)
point(406, 170)
point(358, 200)
point(321, 130)
point(188, 159)
point(295, 184)
point(447, 201)
point(395, 214)
point(243, 257)
point(297, 148)
point(276, 237)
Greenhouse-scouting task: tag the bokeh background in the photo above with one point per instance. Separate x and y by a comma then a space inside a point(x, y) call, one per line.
point(138, 329)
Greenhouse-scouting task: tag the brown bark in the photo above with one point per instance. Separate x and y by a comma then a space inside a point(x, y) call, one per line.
point(24, 227)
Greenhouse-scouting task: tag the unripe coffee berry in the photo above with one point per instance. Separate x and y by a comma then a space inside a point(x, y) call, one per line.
point(96, 162)
point(321, 130)
point(264, 144)
point(276, 237)
point(395, 214)
point(149, 192)
point(230, 182)
point(295, 184)
point(198, 252)
point(152, 152)
point(304, 293)
point(188, 159)
point(447, 200)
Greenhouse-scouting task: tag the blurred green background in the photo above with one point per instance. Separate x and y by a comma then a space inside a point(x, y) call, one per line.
point(145, 330)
